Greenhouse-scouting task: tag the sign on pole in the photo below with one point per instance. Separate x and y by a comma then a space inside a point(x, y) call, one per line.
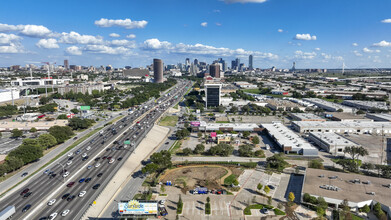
point(86, 107)
point(127, 142)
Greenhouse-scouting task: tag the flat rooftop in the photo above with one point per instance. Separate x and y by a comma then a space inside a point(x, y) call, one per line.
point(321, 102)
point(40, 125)
point(333, 139)
point(308, 116)
point(354, 192)
point(347, 116)
point(344, 124)
point(386, 117)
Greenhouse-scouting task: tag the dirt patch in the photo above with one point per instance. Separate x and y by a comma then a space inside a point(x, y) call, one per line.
point(190, 177)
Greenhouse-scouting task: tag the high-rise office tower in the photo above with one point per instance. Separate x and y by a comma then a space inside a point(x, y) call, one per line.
point(294, 66)
point(214, 70)
point(196, 62)
point(66, 64)
point(213, 93)
point(158, 70)
point(250, 62)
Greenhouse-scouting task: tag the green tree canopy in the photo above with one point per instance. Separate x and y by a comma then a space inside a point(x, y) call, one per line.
point(46, 141)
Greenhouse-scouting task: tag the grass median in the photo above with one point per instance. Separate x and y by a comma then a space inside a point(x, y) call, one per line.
point(170, 121)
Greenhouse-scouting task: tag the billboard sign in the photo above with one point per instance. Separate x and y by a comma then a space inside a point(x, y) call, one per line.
point(86, 107)
point(195, 123)
point(134, 207)
point(213, 134)
point(127, 142)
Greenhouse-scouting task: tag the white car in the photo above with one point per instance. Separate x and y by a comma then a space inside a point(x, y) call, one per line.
point(65, 174)
point(82, 193)
point(89, 167)
point(88, 148)
point(70, 154)
point(111, 160)
point(84, 155)
point(51, 202)
point(53, 215)
point(97, 165)
point(69, 162)
point(65, 212)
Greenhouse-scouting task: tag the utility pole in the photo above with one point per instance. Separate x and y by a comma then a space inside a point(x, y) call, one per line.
point(382, 143)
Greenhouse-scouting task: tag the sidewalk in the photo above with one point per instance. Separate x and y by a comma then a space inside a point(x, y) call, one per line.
point(16, 178)
point(152, 140)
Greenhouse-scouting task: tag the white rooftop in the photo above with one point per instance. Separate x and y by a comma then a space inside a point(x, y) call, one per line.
point(333, 139)
point(344, 124)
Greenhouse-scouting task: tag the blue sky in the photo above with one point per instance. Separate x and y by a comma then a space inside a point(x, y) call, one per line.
point(313, 33)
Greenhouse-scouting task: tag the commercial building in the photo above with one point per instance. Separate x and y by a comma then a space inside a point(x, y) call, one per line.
point(344, 116)
point(9, 94)
point(284, 105)
point(213, 94)
point(331, 142)
point(379, 117)
point(26, 126)
point(83, 88)
point(245, 85)
point(136, 73)
point(250, 62)
point(214, 70)
point(328, 106)
point(158, 70)
point(204, 126)
point(342, 127)
point(31, 81)
point(359, 190)
point(289, 141)
point(305, 117)
point(366, 105)
point(66, 64)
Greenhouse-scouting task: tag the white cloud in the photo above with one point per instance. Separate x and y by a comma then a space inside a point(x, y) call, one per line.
point(29, 30)
point(156, 44)
point(106, 49)
point(47, 43)
point(114, 35)
point(73, 50)
point(131, 36)
point(204, 24)
point(327, 57)
point(11, 48)
point(354, 44)
point(305, 37)
point(7, 39)
point(382, 43)
point(126, 23)
point(366, 50)
point(216, 11)
point(280, 30)
point(10, 43)
point(304, 55)
point(388, 20)
point(243, 1)
point(357, 53)
point(218, 24)
point(317, 48)
point(123, 42)
point(76, 38)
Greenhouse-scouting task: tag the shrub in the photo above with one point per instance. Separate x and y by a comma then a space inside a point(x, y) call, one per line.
point(279, 212)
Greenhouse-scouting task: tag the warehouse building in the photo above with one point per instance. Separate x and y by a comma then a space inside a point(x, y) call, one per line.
point(358, 189)
point(379, 117)
point(331, 142)
point(204, 126)
point(328, 106)
point(342, 127)
point(284, 105)
point(344, 116)
point(289, 141)
point(9, 95)
point(366, 105)
point(305, 117)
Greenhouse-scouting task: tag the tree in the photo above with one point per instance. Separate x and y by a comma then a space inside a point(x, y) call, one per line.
point(74, 111)
point(320, 212)
point(340, 110)
point(276, 162)
point(221, 150)
point(162, 159)
point(233, 109)
point(259, 186)
point(200, 148)
point(16, 133)
point(291, 197)
point(199, 134)
point(181, 134)
point(46, 141)
point(207, 199)
point(246, 150)
point(368, 166)
point(366, 209)
point(13, 163)
point(266, 189)
point(61, 133)
point(77, 123)
point(269, 200)
point(379, 212)
point(259, 153)
point(33, 130)
point(360, 112)
point(150, 168)
point(44, 100)
point(322, 203)
point(255, 140)
point(235, 182)
point(316, 164)
point(246, 134)
point(62, 117)
point(28, 153)
point(187, 151)
point(162, 188)
point(179, 205)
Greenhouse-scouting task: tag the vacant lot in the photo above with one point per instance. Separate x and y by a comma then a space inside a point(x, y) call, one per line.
point(169, 121)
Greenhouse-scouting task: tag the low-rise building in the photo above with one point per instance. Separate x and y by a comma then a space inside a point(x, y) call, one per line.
point(26, 126)
point(305, 117)
point(344, 116)
point(245, 85)
point(331, 142)
point(328, 106)
point(83, 88)
point(284, 105)
point(289, 141)
point(204, 126)
point(379, 117)
point(366, 105)
point(9, 95)
point(342, 127)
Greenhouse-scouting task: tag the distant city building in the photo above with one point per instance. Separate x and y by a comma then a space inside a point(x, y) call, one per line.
point(158, 70)
point(136, 73)
point(294, 67)
point(213, 94)
point(250, 62)
point(214, 70)
point(66, 64)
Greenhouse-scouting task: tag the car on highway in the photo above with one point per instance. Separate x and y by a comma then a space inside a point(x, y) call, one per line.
point(82, 193)
point(53, 216)
point(70, 198)
point(103, 158)
point(26, 208)
point(167, 142)
point(109, 158)
point(65, 212)
point(82, 180)
point(111, 161)
point(65, 196)
point(51, 202)
point(75, 138)
point(84, 155)
point(107, 149)
point(27, 194)
point(46, 171)
point(98, 158)
point(69, 162)
point(78, 152)
point(24, 174)
point(85, 158)
point(96, 186)
point(119, 158)
point(70, 184)
point(88, 180)
point(99, 174)
point(70, 158)
point(65, 174)
point(97, 165)
point(25, 191)
point(88, 148)
point(70, 154)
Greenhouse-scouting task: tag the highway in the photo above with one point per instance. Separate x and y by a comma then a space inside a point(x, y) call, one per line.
point(45, 188)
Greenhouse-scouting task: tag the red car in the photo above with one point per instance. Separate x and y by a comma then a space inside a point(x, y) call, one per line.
point(41, 116)
point(70, 184)
point(25, 191)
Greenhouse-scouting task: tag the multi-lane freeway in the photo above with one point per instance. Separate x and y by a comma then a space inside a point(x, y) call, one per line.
point(90, 166)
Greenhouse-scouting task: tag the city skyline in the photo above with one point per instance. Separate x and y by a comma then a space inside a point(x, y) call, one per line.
point(276, 33)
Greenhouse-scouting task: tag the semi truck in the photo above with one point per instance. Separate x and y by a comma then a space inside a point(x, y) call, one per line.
point(7, 213)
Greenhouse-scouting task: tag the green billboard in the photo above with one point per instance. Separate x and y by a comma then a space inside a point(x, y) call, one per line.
point(86, 107)
point(127, 142)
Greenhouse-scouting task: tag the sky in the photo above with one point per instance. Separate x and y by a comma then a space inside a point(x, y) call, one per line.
point(312, 33)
